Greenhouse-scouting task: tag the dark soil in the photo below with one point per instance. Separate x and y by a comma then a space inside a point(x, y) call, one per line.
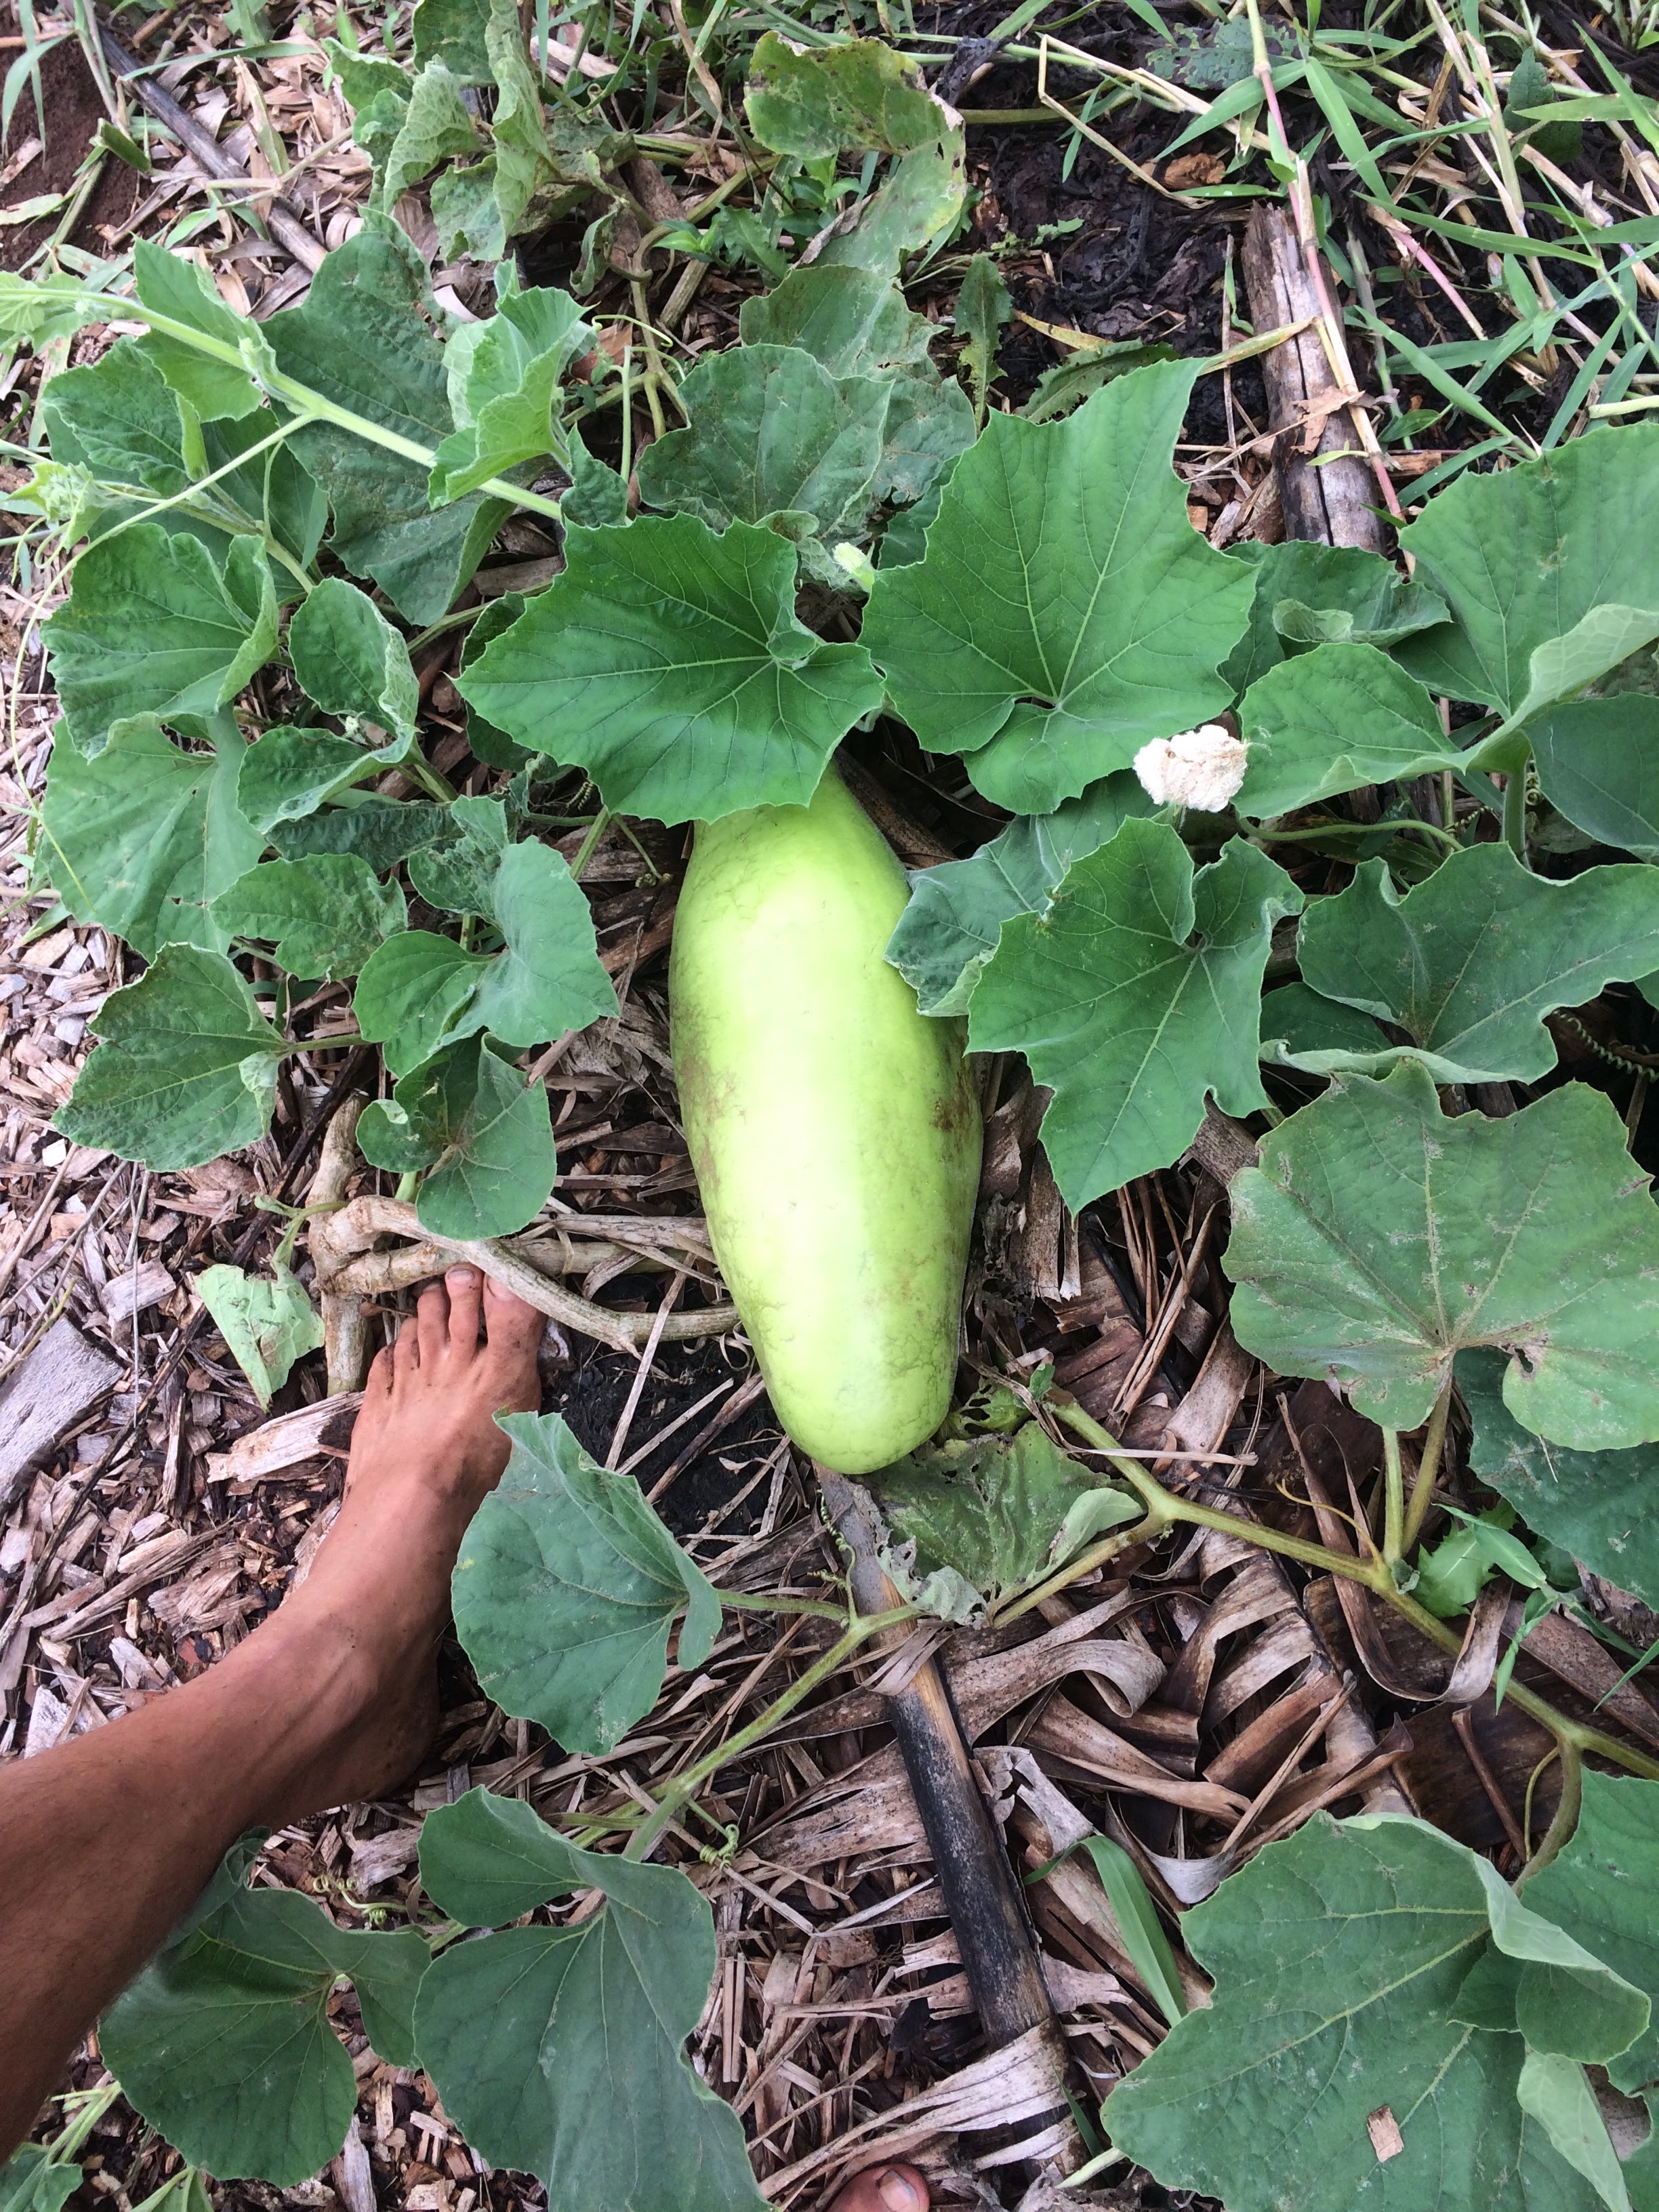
point(73, 110)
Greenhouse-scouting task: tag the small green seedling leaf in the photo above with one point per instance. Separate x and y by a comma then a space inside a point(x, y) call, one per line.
point(143, 837)
point(1603, 1890)
point(1135, 998)
point(669, 664)
point(1378, 1238)
point(504, 378)
point(153, 626)
point(267, 1324)
point(323, 916)
point(999, 1511)
point(1331, 720)
point(982, 307)
point(1596, 1505)
point(350, 661)
point(224, 2044)
point(1066, 612)
point(187, 1068)
point(949, 930)
point(560, 2051)
point(566, 1589)
point(1469, 962)
point(1142, 1931)
point(469, 1116)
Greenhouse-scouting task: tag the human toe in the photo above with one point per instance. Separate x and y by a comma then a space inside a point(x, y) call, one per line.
point(431, 1323)
point(884, 2189)
point(464, 1289)
point(514, 1326)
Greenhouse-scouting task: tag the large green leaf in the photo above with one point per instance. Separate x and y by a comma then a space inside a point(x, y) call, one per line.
point(814, 101)
point(949, 930)
point(504, 389)
point(1331, 720)
point(1341, 1958)
point(1135, 998)
point(1066, 612)
point(1311, 594)
point(119, 417)
point(853, 322)
point(1598, 760)
point(470, 1117)
point(1469, 962)
point(143, 837)
point(1601, 1507)
point(224, 2044)
point(361, 341)
point(289, 773)
point(1604, 1891)
point(412, 991)
point(1524, 557)
point(350, 661)
point(560, 2051)
point(153, 626)
point(668, 662)
point(324, 915)
point(997, 1511)
point(267, 1323)
point(1378, 1238)
point(566, 1589)
point(187, 1068)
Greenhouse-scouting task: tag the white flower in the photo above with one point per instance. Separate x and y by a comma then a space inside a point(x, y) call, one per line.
point(1201, 768)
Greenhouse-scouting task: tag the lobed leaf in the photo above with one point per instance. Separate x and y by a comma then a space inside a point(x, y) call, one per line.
point(485, 1134)
point(324, 915)
point(1333, 720)
point(1378, 1238)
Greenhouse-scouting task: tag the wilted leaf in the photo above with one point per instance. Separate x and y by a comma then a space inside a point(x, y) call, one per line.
point(224, 2042)
point(324, 915)
point(381, 831)
point(814, 101)
point(998, 1510)
point(560, 2051)
point(853, 322)
point(436, 125)
point(266, 1322)
point(1378, 1238)
point(668, 662)
point(1599, 1506)
point(1334, 719)
point(1066, 612)
point(1135, 998)
point(1296, 1022)
point(141, 838)
point(1469, 962)
point(188, 1070)
point(566, 1589)
point(949, 930)
point(458, 873)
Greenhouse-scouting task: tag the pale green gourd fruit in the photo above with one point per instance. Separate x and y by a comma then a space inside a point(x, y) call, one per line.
point(835, 1130)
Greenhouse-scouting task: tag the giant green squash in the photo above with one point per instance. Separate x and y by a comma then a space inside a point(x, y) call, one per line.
point(835, 1130)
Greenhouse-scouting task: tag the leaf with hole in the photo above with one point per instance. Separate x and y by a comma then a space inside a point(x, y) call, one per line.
point(560, 2051)
point(1379, 1237)
point(267, 1323)
point(567, 1587)
point(812, 102)
point(1066, 612)
point(187, 1069)
point(1470, 961)
point(224, 2043)
point(949, 930)
point(142, 838)
point(1135, 998)
point(668, 662)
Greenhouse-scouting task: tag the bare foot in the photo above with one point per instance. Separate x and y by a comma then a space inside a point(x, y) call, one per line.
point(884, 2189)
point(425, 1452)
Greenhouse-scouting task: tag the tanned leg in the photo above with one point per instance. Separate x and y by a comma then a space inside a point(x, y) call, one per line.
point(106, 1842)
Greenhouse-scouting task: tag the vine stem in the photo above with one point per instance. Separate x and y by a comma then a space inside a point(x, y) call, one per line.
point(1417, 1505)
point(315, 406)
point(1515, 811)
point(860, 1629)
point(1394, 1500)
point(1566, 1813)
point(1164, 1509)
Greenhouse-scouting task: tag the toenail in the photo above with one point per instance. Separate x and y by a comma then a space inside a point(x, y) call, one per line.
point(463, 1277)
point(896, 2193)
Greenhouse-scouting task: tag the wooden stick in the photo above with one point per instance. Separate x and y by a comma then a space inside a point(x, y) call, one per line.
point(981, 1894)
